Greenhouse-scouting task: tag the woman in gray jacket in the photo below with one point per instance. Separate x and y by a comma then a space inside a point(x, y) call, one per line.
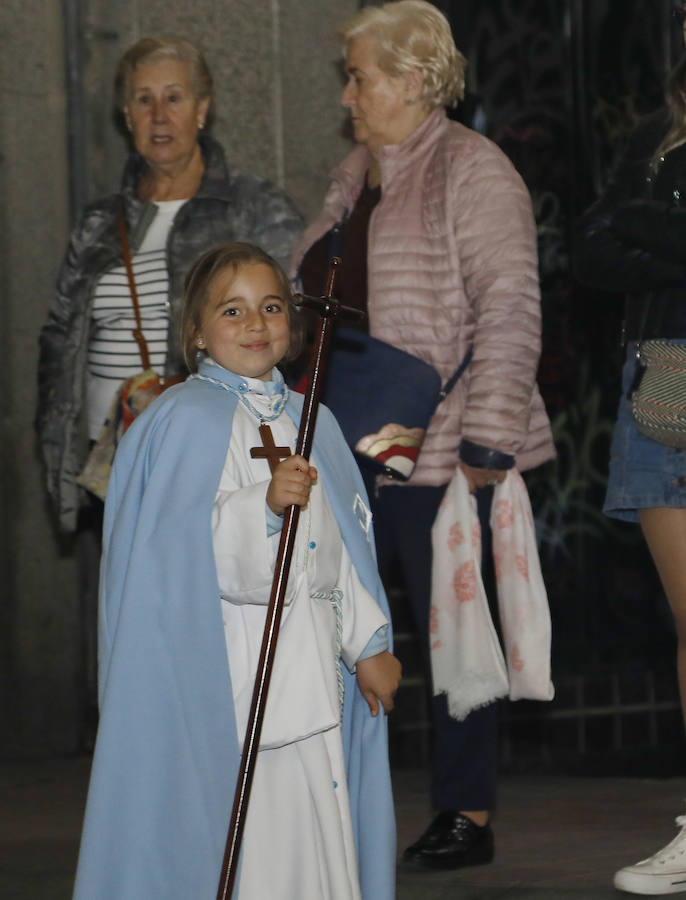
point(179, 199)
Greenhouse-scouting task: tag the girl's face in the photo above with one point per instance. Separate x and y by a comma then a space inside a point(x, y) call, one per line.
point(244, 326)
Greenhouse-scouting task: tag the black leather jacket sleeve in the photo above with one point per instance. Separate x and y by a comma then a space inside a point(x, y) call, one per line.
point(624, 241)
point(658, 227)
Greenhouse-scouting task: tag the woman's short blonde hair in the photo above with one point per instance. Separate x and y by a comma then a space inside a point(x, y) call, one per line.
point(412, 34)
point(152, 49)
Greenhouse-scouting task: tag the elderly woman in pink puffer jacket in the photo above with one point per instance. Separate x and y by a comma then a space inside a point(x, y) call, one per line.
point(439, 248)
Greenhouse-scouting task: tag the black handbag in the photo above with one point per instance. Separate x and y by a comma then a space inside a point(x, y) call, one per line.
point(383, 399)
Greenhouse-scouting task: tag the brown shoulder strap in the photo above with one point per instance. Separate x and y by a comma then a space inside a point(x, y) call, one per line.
point(138, 330)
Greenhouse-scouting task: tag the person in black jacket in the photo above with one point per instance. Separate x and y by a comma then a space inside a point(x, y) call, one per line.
point(633, 240)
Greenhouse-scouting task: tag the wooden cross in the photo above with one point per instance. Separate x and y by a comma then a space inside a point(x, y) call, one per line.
point(269, 450)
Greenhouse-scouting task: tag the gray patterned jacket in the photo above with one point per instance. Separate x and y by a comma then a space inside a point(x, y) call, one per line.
point(226, 207)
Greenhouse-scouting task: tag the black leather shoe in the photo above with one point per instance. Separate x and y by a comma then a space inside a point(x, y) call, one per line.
point(451, 841)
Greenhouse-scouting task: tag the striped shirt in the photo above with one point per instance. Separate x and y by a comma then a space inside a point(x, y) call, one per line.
point(113, 353)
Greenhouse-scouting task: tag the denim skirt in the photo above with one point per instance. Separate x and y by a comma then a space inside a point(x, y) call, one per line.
point(643, 472)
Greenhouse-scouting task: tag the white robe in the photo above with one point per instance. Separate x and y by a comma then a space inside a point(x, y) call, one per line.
point(298, 838)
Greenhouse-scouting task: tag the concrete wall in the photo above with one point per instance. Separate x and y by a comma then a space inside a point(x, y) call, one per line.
point(40, 628)
point(276, 67)
point(275, 64)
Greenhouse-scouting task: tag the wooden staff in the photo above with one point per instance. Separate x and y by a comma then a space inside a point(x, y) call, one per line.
point(328, 308)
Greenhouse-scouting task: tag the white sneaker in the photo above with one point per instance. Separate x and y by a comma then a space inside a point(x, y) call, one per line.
point(663, 873)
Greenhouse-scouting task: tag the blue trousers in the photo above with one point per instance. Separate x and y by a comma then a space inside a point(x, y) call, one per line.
point(464, 759)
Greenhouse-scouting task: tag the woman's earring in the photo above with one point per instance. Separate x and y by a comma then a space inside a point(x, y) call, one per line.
point(199, 341)
point(201, 125)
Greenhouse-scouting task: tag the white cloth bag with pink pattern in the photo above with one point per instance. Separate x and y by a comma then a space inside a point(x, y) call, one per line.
point(466, 655)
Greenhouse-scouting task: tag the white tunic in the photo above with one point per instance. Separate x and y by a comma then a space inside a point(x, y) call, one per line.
point(298, 838)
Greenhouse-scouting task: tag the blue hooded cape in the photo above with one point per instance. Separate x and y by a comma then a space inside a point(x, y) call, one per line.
point(166, 757)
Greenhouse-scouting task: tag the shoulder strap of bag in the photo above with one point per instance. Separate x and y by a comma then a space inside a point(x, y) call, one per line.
point(138, 330)
point(336, 237)
point(457, 374)
point(640, 365)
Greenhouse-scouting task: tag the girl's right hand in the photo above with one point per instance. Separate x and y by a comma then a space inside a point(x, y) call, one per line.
point(378, 678)
point(291, 484)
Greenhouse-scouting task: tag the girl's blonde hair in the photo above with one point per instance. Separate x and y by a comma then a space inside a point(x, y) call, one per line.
point(197, 286)
point(412, 34)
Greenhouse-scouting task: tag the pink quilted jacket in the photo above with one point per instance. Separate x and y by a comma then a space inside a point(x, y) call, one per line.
point(452, 261)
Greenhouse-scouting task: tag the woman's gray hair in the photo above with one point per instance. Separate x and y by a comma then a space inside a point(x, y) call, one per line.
point(152, 49)
point(412, 34)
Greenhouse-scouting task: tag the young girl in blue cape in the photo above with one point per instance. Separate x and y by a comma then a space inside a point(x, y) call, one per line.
point(192, 525)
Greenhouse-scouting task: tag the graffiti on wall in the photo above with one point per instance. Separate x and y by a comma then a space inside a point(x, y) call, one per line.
point(558, 85)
